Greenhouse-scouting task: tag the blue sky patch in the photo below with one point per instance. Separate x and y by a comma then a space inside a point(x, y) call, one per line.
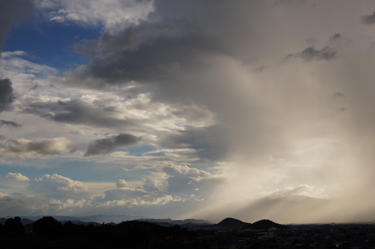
point(51, 43)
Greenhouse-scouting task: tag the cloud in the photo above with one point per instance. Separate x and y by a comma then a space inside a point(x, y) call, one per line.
point(173, 184)
point(335, 37)
point(189, 182)
point(311, 54)
point(59, 195)
point(339, 95)
point(47, 147)
point(58, 186)
point(107, 145)
point(193, 173)
point(9, 123)
point(209, 143)
point(109, 13)
point(15, 182)
point(6, 94)
point(121, 183)
point(369, 19)
point(17, 177)
point(183, 78)
point(77, 112)
point(177, 35)
point(12, 205)
point(16, 65)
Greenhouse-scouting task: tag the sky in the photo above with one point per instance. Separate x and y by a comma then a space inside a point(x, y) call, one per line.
point(188, 109)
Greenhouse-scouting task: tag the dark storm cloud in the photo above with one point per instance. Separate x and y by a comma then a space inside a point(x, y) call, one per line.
point(311, 53)
point(9, 123)
point(177, 35)
point(11, 12)
point(108, 145)
point(77, 112)
point(146, 52)
point(209, 142)
point(369, 19)
point(6, 94)
point(45, 147)
point(6, 99)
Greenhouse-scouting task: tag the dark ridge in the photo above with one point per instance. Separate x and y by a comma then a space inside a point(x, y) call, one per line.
point(265, 224)
point(187, 223)
point(231, 222)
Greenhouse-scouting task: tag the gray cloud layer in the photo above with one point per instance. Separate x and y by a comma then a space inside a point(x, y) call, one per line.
point(46, 147)
point(311, 53)
point(107, 145)
point(76, 112)
point(178, 35)
point(6, 94)
point(210, 142)
point(369, 19)
point(9, 123)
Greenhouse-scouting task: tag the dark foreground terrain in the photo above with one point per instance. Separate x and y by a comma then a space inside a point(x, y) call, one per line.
point(229, 233)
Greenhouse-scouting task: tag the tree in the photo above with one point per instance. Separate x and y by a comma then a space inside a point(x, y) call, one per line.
point(13, 227)
point(47, 226)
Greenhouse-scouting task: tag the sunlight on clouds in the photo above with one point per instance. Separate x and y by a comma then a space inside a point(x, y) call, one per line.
point(111, 13)
point(195, 105)
point(17, 177)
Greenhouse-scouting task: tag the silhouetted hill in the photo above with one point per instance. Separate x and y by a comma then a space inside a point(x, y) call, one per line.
point(265, 224)
point(231, 223)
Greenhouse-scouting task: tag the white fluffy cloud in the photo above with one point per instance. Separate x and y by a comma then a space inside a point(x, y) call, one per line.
point(57, 186)
point(17, 177)
point(15, 182)
point(56, 194)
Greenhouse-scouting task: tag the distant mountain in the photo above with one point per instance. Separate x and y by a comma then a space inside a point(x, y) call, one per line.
point(82, 219)
point(183, 223)
point(97, 219)
point(24, 221)
point(232, 223)
point(2, 220)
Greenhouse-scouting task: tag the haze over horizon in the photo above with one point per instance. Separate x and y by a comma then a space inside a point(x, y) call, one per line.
point(188, 109)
